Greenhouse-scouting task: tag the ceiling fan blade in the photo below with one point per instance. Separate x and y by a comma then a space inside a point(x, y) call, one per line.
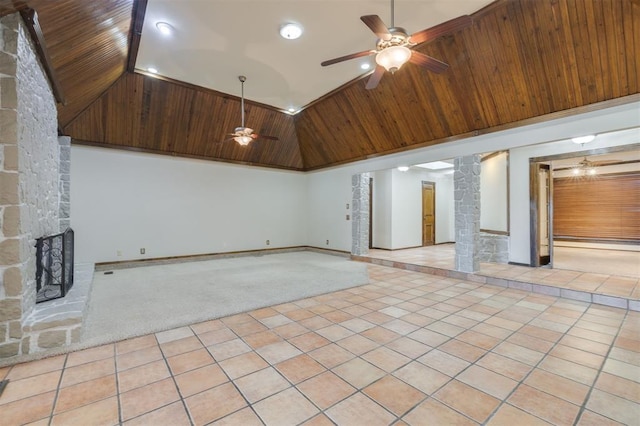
point(347, 57)
point(455, 24)
point(375, 78)
point(376, 25)
point(271, 138)
point(223, 141)
point(606, 162)
point(432, 64)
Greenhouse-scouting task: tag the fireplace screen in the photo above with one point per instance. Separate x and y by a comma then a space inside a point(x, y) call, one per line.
point(54, 266)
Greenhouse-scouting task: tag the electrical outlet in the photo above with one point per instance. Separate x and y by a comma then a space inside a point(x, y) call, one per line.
point(142, 251)
point(347, 206)
point(268, 242)
point(119, 253)
point(327, 242)
point(347, 217)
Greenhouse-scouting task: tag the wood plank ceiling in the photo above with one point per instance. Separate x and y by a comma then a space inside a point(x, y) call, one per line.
point(520, 60)
point(87, 42)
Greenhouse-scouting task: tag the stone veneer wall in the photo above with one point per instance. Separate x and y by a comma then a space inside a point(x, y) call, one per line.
point(466, 194)
point(494, 248)
point(360, 186)
point(29, 178)
point(64, 190)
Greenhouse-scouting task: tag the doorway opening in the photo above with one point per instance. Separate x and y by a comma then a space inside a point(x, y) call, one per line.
point(585, 207)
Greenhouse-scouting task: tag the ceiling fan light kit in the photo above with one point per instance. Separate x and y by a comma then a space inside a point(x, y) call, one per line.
point(245, 135)
point(243, 140)
point(392, 58)
point(584, 171)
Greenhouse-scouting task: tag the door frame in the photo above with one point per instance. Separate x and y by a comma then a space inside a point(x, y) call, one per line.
point(535, 202)
point(433, 186)
point(370, 213)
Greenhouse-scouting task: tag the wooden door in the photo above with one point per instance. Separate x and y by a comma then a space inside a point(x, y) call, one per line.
point(428, 213)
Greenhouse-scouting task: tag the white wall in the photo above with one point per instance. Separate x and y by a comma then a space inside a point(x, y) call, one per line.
point(382, 206)
point(445, 210)
point(406, 209)
point(124, 201)
point(494, 194)
point(328, 193)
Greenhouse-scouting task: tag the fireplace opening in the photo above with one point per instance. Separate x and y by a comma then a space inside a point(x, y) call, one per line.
point(54, 266)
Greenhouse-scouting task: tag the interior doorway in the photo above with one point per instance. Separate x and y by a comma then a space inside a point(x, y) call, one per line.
point(428, 213)
point(585, 208)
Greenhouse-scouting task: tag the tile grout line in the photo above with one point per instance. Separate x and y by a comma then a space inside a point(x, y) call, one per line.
point(173, 379)
point(583, 407)
point(536, 366)
point(451, 378)
point(115, 366)
point(323, 411)
point(55, 398)
point(503, 401)
point(249, 404)
point(541, 360)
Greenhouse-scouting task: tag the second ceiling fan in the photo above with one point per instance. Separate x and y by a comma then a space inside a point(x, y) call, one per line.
point(395, 47)
point(245, 135)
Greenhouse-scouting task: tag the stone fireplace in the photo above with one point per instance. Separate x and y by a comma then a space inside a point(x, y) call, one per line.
point(34, 182)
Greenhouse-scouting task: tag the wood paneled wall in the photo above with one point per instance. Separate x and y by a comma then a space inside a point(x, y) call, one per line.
point(605, 207)
point(520, 60)
point(152, 115)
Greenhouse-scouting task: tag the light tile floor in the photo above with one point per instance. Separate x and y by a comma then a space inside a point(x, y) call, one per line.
point(626, 284)
point(408, 348)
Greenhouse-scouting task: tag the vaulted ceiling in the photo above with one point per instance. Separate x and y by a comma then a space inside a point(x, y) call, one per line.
point(520, 60)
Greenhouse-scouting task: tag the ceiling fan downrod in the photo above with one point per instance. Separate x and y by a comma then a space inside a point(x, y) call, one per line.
point(242, 79)
point(393, 25)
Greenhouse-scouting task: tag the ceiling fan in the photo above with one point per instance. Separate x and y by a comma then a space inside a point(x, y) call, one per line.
point(394, 46)
point(588, 167)
point(245, 135)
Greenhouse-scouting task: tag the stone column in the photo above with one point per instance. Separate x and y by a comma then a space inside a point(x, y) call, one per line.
point(360, 214)
point(466, 180)
point(11, 269)
point(29, 168)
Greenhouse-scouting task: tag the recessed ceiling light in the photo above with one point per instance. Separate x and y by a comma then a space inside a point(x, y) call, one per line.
point(152, 70)
point(583, 139)
point(435, 165)
point(164, 28)
point(290, 31)
point(365, 66)
point(291, 109)
point(403, 168)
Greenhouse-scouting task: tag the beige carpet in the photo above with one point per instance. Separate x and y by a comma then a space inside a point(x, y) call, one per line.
point(137, 301)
